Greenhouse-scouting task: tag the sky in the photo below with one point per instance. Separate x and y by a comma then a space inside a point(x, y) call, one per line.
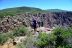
point(43, 4)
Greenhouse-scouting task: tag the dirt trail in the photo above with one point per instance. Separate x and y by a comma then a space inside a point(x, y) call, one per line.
point(8, 46)
point(43, 29)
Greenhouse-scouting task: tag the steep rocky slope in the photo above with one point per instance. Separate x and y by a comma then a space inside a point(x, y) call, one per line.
point(49, 19)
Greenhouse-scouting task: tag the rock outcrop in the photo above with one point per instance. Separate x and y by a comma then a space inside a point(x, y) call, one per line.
point(50, 19)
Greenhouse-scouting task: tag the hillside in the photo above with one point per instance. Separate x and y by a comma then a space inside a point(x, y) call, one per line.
point(18, 10)
point(54, 28)
point(56, 10)
point(24, 15)
point(22, 10)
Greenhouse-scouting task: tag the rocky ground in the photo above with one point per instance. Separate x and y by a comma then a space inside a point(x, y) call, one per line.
point(48, 20)
point(47, 24)
point(9, 43)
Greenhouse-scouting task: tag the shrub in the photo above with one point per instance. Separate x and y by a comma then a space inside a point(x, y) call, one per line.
point(62, 35)
point(66, 46)
point(27, 43)
point(21, 45)
point(21, 31)
point(60, 38)
point(43, 40)
point(10, 35)
point(3, 38)
point(64, 32)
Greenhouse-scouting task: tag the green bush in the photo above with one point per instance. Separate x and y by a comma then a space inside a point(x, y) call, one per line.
point(62, 34)
point(21, 31)
point(45, 40)
point(58, 38)
point(21, 45)
point(42, 40)
point(10, 35)
point(3, 38)
point(66, 46)
point(27, 43)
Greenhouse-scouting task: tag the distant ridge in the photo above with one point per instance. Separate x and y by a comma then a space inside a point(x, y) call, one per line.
point(19, 10)
point(56, 10)
point(16, 10)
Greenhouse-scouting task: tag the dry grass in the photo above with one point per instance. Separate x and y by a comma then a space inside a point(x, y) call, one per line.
point(7, 46)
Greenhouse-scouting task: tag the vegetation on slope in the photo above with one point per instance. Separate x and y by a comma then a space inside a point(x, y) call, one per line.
point(22, 10)
point(4, 37)
point(56, 10)
point(18, 10)
point(21, 31)
point(60, 38)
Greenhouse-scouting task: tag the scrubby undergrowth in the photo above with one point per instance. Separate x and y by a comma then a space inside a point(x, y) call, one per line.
point(59, 38)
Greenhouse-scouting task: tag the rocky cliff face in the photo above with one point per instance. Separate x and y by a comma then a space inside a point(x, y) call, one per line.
point(59, 18)
point(50, 19)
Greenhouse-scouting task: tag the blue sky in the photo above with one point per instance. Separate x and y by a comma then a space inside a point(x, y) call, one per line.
point(43, 4)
